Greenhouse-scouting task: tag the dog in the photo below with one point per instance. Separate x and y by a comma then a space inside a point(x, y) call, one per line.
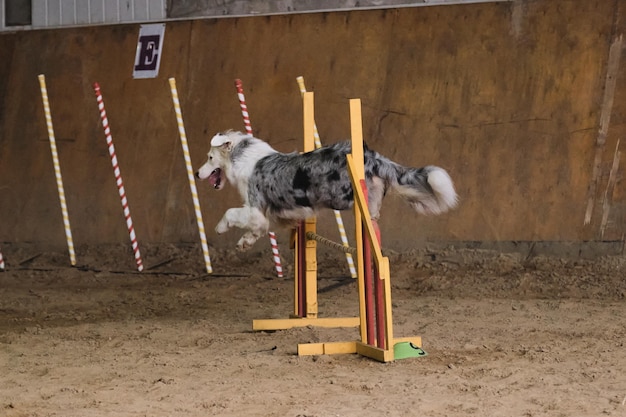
point(287, 187)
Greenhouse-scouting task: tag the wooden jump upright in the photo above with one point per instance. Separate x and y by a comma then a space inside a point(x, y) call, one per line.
point(375, 319)
point(305, 312)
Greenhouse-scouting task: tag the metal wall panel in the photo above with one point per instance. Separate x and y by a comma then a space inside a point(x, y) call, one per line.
point(190, 9)
point(39, 12)
point(52, 14)
point(148, 9)
point(126, 10)
point(81, 13)
point(111, 12)
point(66, 13)
point(140, 10)
point(156, 8)
point(96, 11)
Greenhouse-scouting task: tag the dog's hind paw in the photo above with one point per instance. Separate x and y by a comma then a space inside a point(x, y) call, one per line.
point(243, 247)
point(246, 242)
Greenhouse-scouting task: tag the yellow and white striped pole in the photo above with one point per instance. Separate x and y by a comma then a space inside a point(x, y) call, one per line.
point(192, 181)
point(57, 169)
point(342, 230)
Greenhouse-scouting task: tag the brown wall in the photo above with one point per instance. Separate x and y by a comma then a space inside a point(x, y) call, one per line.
point(507, 96)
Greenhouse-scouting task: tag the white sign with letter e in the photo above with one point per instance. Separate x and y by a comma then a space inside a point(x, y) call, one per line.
point(149, 51)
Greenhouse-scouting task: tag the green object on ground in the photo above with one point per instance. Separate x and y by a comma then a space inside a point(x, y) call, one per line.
point(405, 350)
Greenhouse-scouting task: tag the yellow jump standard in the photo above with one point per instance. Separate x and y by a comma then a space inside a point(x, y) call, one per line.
point(305, 312)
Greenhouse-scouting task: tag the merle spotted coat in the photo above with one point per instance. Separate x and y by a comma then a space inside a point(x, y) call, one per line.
point(283, 187)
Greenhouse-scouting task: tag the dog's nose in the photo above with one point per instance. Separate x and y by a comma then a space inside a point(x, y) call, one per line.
point(198, 174)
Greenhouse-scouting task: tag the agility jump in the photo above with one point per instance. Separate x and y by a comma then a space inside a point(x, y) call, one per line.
point(305, 312)
point(338, 218)
point(375, 316)
point(375, 321)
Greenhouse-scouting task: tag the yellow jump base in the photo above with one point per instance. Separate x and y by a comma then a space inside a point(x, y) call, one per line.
point(293, 322)
point(363, 349)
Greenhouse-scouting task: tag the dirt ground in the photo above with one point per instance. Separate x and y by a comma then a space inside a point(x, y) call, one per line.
point(506, 335)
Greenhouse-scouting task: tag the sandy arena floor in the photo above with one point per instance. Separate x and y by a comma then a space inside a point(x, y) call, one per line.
point(505, 336)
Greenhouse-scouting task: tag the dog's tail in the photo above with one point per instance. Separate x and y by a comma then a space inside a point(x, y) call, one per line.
point(429, 190)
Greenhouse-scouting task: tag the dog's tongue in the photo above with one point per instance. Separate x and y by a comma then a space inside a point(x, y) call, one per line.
point(215, 178)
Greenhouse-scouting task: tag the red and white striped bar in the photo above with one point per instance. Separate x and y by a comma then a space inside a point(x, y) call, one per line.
point(248, 126)
point(118, 177)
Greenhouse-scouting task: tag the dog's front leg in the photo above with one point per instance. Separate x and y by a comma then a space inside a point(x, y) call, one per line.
point(246, 217)
point(234, 217)
point(258, 225)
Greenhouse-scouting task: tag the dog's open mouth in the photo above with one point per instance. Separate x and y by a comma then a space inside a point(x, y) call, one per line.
point(215, 179)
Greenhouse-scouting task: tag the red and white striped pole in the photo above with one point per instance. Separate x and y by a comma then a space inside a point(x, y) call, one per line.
point(1, 261)
point(248, 126)
point(244, 107)
point(275, 254)
point(118, 177)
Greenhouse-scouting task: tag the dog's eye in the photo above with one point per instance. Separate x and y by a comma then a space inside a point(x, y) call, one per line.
point(210, 158)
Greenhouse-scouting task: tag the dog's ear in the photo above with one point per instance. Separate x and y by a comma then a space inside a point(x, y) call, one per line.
point(221, 140)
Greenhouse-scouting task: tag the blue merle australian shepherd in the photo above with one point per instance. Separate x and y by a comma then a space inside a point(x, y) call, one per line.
point(283, 187)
